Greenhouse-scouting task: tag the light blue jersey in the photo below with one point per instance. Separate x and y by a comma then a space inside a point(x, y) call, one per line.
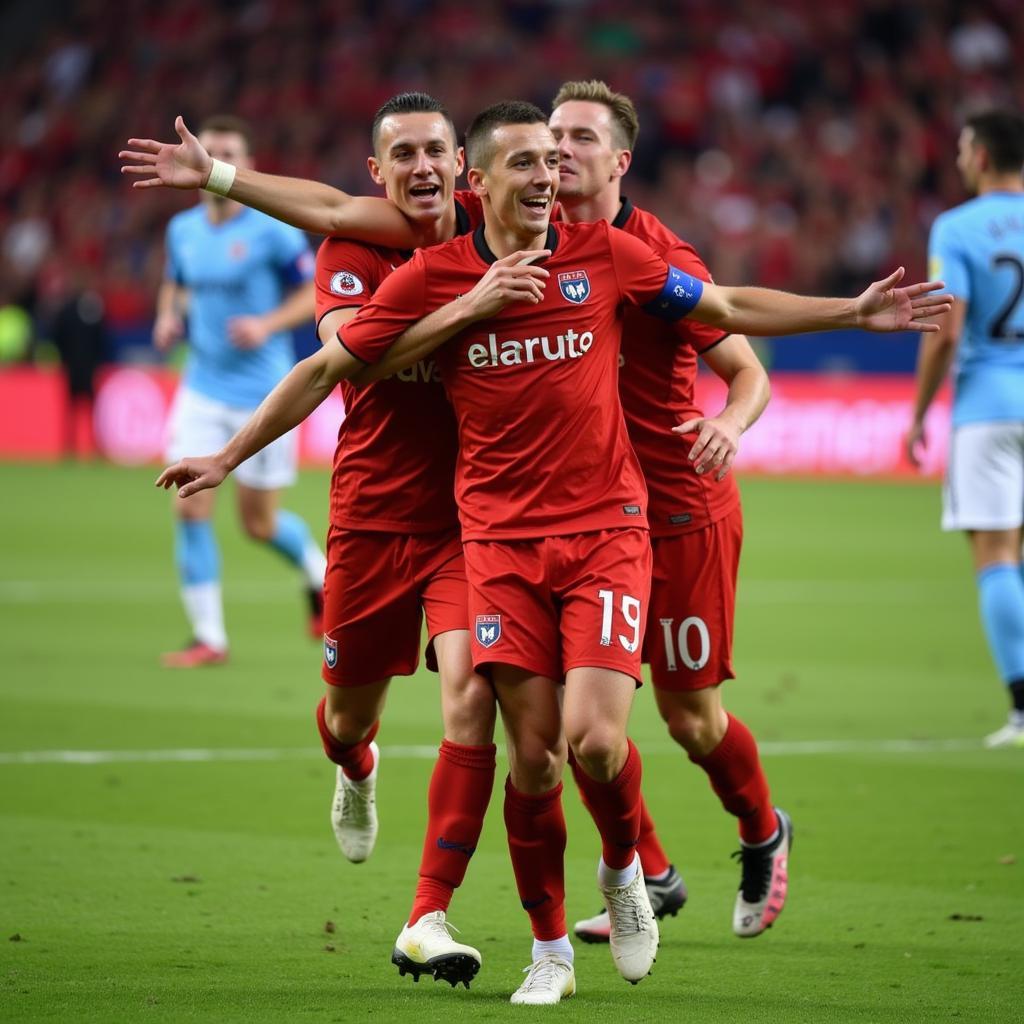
point(978, 250)
point(242, 266)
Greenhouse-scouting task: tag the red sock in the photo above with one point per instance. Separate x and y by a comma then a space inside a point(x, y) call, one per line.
point(615, 808)
point(460, 790)
point(734, 769)
point(355, 759)
point(536, 841)
point(653, 858)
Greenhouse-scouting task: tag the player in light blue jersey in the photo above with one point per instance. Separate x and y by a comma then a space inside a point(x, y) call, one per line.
point(243, 280)
point(978, 250)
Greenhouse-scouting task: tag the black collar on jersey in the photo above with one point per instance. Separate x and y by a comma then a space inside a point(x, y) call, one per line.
point(462, 227)
point(625, 211)
point(487, 256)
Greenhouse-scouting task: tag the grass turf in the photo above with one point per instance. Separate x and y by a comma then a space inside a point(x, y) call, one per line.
point(161, 891)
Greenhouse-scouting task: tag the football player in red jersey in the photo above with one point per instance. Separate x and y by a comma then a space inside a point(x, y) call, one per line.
point(551, 498)
point(694, 510)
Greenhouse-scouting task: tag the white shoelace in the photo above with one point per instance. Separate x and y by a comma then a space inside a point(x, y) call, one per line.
point(543, 973)
point(626, 908)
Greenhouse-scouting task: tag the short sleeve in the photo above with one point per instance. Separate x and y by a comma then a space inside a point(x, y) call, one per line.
point(700, 337)
point(946, 259)
point(398, 303)
point(347, 275)
point(641, 272)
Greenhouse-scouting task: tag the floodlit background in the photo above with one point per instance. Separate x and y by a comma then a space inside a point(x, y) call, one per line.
point(164, 847)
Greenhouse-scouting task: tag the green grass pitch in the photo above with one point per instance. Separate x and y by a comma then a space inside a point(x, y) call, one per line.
point(149, 890)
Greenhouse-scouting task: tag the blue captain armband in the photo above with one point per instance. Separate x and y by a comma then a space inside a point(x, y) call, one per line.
point(678, 296)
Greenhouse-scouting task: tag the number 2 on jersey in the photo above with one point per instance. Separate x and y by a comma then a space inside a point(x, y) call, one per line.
point(999, 328)
point(630, 612)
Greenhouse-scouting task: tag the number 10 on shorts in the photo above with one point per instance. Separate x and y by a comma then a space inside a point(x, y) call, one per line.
point(630, 612)
point(694, 624)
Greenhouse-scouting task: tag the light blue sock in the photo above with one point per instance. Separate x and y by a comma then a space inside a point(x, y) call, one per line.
point(196, 552)
point(293, 541)
point(1001, 599)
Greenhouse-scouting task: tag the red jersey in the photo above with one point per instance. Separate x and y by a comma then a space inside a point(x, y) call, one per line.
point(394, 467)
point(656, 382)
point(543, 448)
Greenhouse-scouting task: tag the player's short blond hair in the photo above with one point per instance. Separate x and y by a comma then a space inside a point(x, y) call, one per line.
point(624, 116)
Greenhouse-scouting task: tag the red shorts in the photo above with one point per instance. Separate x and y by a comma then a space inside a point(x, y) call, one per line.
point(693, 601)
point(377, 588)
point(557, 603)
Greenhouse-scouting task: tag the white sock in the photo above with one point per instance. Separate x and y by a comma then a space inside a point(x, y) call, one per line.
point(757, 846)
point(314, 565)
point(205, 611)
point(659, 878)
point(561, 947)
point(617, 876)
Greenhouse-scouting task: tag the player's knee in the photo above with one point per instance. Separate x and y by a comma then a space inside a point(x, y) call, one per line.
point(258, 527)
point(470, 712)
point(599, 751)
point(349, 726)
point(536, 766)
point(697, 733)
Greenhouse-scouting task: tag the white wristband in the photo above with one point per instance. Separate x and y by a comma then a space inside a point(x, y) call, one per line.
point(222, 177)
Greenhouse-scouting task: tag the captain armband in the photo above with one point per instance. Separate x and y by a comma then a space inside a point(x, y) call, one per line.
point(678, 296)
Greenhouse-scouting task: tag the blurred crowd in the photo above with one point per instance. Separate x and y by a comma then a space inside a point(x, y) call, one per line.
point(798, 144)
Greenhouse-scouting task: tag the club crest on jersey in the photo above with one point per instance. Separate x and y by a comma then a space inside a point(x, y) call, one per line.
point(344, 283)
point(488, 630)
point(330, 652)
point(574, 285)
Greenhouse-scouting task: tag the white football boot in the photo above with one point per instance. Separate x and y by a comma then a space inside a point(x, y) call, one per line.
point(427, 947)
point(667, 895)
point(549, 979)
point(764, 882)
point(1010, 735)
point(633, 928)
point(354, 812)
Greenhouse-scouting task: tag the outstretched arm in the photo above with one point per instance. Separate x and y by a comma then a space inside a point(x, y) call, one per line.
point(309, 205)
point(718, 437)
point(882, 307)
point(306, 385)
point(934, 358)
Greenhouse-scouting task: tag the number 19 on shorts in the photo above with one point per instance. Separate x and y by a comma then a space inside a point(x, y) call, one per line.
point(630, 612)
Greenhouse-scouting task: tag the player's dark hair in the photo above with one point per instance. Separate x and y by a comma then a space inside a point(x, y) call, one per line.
point(229, 123)
point(1001, 132)
point(410, 103)
point(625, 123)
point(480, 136)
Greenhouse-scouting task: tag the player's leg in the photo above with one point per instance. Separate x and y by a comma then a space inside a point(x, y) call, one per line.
point(260, 480)
point(463, 776)
point(371, 633)
point(535, 825)
point(984, 496)
point(997, 568)
point(605, 583)
point(693, 599)
point(195, 426)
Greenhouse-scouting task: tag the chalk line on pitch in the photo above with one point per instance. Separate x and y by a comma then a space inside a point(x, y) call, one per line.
point(203, 755)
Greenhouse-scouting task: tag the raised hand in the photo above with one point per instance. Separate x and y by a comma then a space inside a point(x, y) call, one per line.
point(184, 165)
point(510, 279)
point(193, 474)
point(883, 306)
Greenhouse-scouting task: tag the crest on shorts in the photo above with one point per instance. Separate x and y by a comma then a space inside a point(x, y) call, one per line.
point(488, 630)
point(330, 652)
point(575, 285)
point(346, 283)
